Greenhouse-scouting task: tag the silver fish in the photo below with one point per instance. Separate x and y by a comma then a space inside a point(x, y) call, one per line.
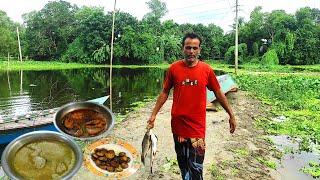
point(154, 140)
point(146, 145)
point(149, 144)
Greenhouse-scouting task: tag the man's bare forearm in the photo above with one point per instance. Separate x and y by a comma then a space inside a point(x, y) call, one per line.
point(224, 102)
point(162, 98)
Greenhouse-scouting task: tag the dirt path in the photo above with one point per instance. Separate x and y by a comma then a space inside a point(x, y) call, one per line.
point(227, 156)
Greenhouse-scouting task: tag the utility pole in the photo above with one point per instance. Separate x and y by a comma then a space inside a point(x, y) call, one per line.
point(236, 41)
point(111, 53)
point(20, 54)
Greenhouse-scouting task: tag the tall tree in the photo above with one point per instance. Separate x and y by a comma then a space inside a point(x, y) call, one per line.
point(8, 40)
point(253, 31)
point(158, 9)
point(50, 30)
point(306, 48)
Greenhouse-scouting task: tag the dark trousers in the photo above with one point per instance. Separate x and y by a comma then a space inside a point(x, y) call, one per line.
point(190, 160)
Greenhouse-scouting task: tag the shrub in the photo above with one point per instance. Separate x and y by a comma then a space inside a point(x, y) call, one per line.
point(270, 58)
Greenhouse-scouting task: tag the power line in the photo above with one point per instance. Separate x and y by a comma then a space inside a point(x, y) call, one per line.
point(197, 13)
point(192, 6)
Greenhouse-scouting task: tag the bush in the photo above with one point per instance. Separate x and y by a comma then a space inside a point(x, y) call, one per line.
point(270, 58)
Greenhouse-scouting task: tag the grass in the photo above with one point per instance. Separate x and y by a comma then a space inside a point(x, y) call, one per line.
point(215, 172)
point(297, 97)
point(54, 65)
point(133, 107)
point(241, 152)
point(41, 65)
point(267, 163)
point(313, 169)
point(170, 165)
point(292, 92)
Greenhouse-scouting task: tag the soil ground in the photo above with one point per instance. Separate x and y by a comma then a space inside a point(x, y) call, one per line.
point(228, 156)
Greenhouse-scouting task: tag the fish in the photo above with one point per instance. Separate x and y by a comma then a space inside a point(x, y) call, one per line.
point(149, 144)
point(146, 145)
point(154, 140)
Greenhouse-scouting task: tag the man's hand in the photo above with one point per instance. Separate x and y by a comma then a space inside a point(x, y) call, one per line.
point(233, 124)
point(151, 122)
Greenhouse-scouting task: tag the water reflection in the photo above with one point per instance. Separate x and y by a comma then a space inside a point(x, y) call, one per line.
point(291, 163)
point(22, 92)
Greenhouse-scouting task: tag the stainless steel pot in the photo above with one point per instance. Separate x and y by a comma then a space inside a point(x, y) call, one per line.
point(84, 105)
point(12, 148)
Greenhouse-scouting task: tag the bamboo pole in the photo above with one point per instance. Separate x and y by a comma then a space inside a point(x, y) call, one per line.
point(9, 84)
point(21, 82)
point(111, 53)
point(20, 54)
point(236, 41)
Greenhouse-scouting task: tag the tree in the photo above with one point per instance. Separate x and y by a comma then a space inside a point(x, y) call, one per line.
point(253, 31)
point(158, 9)
point(306, 48)
point(278, 22)
point(170, 41)
point(8, 38)
point(50, 30)
point(93, 30)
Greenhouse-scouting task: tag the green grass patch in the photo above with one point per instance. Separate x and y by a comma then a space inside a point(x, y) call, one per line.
point(170, 165)
point(267, 163)
point(215, 172)
point(313, 169)
point(297, 97)
point(54, 65)
point(42, 65)
point(241, 152)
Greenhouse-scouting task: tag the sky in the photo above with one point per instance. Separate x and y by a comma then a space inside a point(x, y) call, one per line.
point(219, 12)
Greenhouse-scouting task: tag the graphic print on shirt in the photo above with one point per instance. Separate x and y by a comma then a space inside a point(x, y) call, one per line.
point(188, 82)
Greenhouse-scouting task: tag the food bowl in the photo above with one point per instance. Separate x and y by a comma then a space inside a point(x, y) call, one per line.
point(21, 147)
point(81, 115)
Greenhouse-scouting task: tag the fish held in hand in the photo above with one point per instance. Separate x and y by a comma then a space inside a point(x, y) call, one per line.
point(149, 144)
point(146, 145)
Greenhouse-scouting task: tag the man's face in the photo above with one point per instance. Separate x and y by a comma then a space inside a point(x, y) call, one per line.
point(191, 50)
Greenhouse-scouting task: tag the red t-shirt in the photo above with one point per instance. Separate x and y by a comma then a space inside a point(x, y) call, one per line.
point(189, 97)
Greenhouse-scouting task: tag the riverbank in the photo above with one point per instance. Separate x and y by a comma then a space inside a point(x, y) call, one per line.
point(218, 65)
point(55, 65)
point(244, 155)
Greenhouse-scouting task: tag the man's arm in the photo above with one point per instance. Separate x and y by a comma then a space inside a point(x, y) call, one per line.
point(162, 98)
point(224, 103)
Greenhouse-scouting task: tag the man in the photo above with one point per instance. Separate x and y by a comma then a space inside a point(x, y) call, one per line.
point(189, 77)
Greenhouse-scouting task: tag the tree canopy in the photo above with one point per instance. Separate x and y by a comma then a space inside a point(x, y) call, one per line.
point(64, 32)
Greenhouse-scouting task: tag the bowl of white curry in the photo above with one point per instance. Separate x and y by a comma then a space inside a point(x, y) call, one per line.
point(42, 155)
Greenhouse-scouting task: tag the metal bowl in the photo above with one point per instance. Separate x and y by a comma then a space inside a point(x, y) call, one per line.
point(12, 148)
point(64, 110)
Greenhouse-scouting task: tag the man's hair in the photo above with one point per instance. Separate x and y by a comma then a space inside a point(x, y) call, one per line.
point(191, 35)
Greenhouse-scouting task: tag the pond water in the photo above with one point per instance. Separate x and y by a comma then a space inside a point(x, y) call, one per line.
point(24, 91)
point(291, 163)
